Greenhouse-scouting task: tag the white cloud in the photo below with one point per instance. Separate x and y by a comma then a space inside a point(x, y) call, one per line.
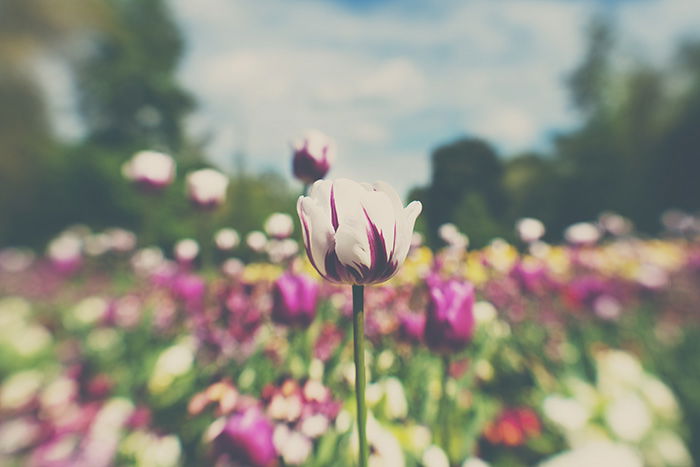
point(389, 84)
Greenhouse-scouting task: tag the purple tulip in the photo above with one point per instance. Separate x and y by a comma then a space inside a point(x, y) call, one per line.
point(411, 326)
point(450, 319)
point(295, 297)
point(189, 288)
point(248, 438)
point(312, 157)
point(356, 233)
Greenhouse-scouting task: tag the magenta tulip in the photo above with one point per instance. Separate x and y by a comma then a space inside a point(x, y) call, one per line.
point(450, 319)
point(295, 298)
point(248, 438)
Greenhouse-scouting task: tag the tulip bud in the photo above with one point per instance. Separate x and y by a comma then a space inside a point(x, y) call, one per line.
point(529, 229)
point(583, 233)
point(65, 253)
point(356, 233)
point(150, 169)
point(186, 250)
point(207, 187)
point(450, 319)
point(312, 156)
point(295, 297)
point(279, 226)
point(227, 239)
point(256, 241)
point(248, 437)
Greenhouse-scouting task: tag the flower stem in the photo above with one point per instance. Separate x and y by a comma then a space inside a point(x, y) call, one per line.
point(443, 414)
point(358, 327)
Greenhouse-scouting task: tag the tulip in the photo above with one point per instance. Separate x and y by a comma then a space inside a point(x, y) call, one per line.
point(356, 233)
point(150, 169)
point(256, 241)
point(207, 187)
point(65, 253)
point(186, 250)
point(189, 288)
point(248, 437)
point(227, 239)
point(411, 326)
point(582, 233)
point(312, 156)
point(279, 226)
point(529, 229)
point(450, 319)
point(294, 300)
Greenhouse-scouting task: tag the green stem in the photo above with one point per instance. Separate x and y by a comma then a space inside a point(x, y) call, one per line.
point(358, 327)
point(443, 411)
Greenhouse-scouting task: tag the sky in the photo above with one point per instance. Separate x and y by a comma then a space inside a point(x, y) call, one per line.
point(390, 80)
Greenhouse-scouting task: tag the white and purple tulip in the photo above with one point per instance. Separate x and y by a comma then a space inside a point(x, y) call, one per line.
point(207, 187)
point(279, 225)
point(356, 233)
point(150, 169)
point(529, 229)
point(313, 155)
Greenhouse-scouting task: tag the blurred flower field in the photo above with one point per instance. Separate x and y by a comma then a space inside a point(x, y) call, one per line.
point(577, 354)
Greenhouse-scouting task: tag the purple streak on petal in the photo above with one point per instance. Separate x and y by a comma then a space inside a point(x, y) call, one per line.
point(334, 211)
point(307, 242)
point(380, 267)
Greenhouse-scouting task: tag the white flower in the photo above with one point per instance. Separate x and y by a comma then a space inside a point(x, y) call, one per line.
point(89, 311)
point(15, 259)
point(671, 449)
point(484, 312)
point(281, 250)
point(629, 418)
point(151, 168)
point(279, 225)
point(160, 451)
point(570, 414)
point(529, 229)
point(474, 462)
point(147, 260)
point(226, 239)
point(294, 447)
point(256, 241)
point(20, 388)
point(583, 233)
point(435, 457)
point(66, 247)
point(207, 187)
point(599, 454)
point(315, 425)
point(186, 250)
point(356, 233)
point(385, 449)
point(18, 434)
point(120, 240)
point(660, 398)
point(395, 403)
point(617, 371)
point(233, 267)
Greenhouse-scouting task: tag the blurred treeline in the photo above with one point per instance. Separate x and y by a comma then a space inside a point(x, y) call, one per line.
point(637, 150)
point(123, 56)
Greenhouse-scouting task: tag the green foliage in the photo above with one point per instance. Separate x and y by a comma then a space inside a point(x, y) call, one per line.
point(635, 152)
